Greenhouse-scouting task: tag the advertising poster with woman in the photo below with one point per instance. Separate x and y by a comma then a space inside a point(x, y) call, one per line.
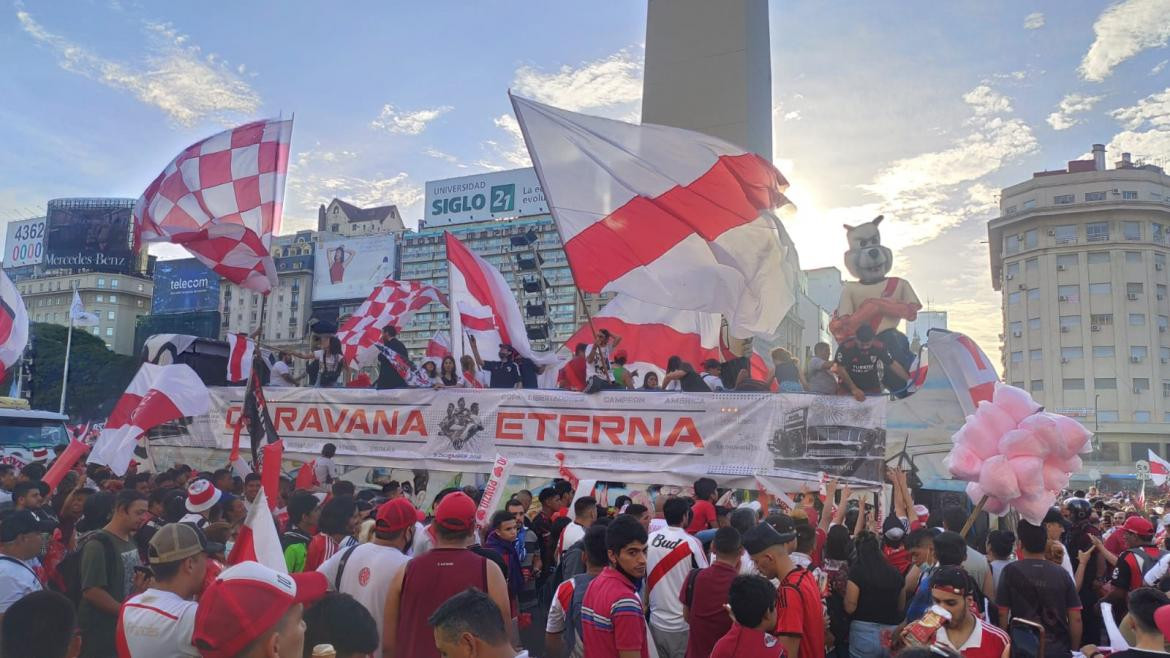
point(349, 268)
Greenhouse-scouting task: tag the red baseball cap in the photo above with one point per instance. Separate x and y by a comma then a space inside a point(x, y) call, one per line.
point(245, 602)
point(1162, 620)
point(456, 512)
point(397, 515)
point(1139, 526)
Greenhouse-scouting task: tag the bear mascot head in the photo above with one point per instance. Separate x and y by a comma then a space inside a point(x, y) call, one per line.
point(867, 259)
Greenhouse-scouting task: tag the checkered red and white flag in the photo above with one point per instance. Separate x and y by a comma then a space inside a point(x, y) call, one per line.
point(222, 198)
point(391, 303)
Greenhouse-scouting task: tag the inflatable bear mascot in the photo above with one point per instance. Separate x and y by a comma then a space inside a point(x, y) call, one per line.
point(875, 299)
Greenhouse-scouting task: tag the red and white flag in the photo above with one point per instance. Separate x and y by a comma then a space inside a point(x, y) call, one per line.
point(971, 373)
point(239, 363)
point(257, 540)
point(222, 199)
point(652, 334)
point(13, 323)
point(439, 345)
point(483, 305)
point(669, 216)
point(157, 394)
point(1159, 469)
point(391, 303)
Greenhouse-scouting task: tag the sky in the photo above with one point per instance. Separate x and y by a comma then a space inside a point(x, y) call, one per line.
point(918, 110)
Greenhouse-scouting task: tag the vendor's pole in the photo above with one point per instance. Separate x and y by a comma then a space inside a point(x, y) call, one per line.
point(65, 372)
point(971, 519)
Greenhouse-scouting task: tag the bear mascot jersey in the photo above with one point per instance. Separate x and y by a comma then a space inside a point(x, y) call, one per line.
point(875, 299)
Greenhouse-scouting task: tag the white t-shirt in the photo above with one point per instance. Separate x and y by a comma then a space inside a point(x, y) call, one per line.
point(278, 369)
point(557, 616)
point(158, 623)
point(423, 541)
point(367, 577)
point(16, 580)
point(671, 553)
point(325, 469)
point(713, 382)
point(573, 533)
point(592, 368)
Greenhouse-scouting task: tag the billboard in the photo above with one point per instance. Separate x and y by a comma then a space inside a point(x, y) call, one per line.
point(183, 286)
point(349, 268)
point(25, 243)
point(512, 193)
point(89, 234)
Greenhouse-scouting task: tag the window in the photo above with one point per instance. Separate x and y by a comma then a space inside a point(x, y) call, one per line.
point(1034, 324)
point(113, 283)
point(1032, 265)
point(1101, 288)
point(1066, 261)
point(1129, 195)
point(1131, 231)
point(1012, 270)
point(1139, 352)
point(113, 299)
point(1036, 385)
point(1164, 354)
point(101, 282)
point(1141, 417)
point(1036, 355)
point(1031, 237)
point(1098, 258)
point(1030, 203)
point(1073, 384)
point(1101, 319)
point(1070, 353)
point(1133, 257)
point(109, 315)
point(99, 298)
point(1158, 232)
point(335, 227)
point(1014, 298)
point(1033, 294)
point(109, 331)
point(1009, 210)
point(1137, 319)
point(1017, 357)
point(97, 331)
point(1061, 199)
point(1097, 231)
point(1141, 384)
point(1133, 289)
point(1068, 293)
point(1016, 327)
point(1159, 262)
point(1094, 196)
point(1166, 389)
point(1105, 383)
point(1160, 290)
point(1103, 351)
point(1018, 384)
point(1070, 322)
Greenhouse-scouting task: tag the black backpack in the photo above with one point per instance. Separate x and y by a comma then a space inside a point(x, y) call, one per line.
point(70, 566)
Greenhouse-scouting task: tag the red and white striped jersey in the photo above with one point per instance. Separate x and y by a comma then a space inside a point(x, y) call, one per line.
point(671, 553)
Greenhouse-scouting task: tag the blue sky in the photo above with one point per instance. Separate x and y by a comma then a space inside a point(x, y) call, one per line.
point(920, 110)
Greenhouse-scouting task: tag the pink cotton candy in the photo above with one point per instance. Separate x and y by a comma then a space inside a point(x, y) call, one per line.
point(1015, 401)
point(1029, 474)
point(992, 506)
point(1034, 508)
point(979, 436)
point(1075, 435)
point(997, 419)
point(962, 463)
point(998, 479)
point(1073, 464)
point(1022, 443)
point(1055, 477)
point(1046, 430)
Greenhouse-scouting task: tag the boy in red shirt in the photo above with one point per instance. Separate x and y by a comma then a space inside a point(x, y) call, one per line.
point(612, 621)
point(703, 514)
point(753, 603)
point(800, 623)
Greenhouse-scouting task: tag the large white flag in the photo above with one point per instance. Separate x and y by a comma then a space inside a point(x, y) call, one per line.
point(78, 315)
point(668, 216)
point(257, 540)
point(13, 323)
point(1159, 469)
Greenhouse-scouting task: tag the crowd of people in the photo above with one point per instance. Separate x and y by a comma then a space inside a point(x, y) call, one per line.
point(862, 366)
point(139, 566)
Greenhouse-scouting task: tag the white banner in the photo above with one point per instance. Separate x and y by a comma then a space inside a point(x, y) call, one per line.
point(653, 437)
point(493, 490)
point(479, 197)
point(25, 243)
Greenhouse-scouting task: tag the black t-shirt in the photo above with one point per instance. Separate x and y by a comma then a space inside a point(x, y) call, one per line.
point(527, 372)
point(505, 374)
point(875, 599)
point(1128, 573)
point(388, 376)
point(865, 365)
point(1043, 592)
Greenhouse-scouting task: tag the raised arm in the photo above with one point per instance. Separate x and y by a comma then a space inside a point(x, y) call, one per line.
point(475, 352)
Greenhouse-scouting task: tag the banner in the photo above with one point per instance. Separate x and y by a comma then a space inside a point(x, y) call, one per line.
point(349, 268)
point(89, 234)
point(25, 243)
point(492, 492)
point(183, 286)
point(652, 437)
point(480, 197)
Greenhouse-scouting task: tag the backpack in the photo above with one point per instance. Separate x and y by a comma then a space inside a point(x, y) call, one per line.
point(1145, 562)
point(573, 614)
point(70, 566)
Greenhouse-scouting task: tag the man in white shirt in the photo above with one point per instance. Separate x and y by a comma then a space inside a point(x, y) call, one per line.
point(712, 370)
point(7, 481)
point(21, 541)
point(366, 571)
point(600, 354)
point(325, 470)
point(160, 621)
point(282, 372)
point(671, 553)
point(584, 514)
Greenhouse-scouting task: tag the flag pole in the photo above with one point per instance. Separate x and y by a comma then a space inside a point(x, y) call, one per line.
point(68, 348)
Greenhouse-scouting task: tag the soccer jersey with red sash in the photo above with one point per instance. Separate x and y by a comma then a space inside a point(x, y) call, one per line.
point(671, 553)
point(985, 641)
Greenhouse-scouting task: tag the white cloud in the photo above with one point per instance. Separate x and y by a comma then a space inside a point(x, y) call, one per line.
point(1159, 67)
point(435, 153)
point(604, 86)
point(1034, 21)
point(508, 152)
point(313, 186)
point(1146, 127)
point(411, 122)
point(1122, 31)
point(174, 77)
point(794, 115)
point(1072, 104)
